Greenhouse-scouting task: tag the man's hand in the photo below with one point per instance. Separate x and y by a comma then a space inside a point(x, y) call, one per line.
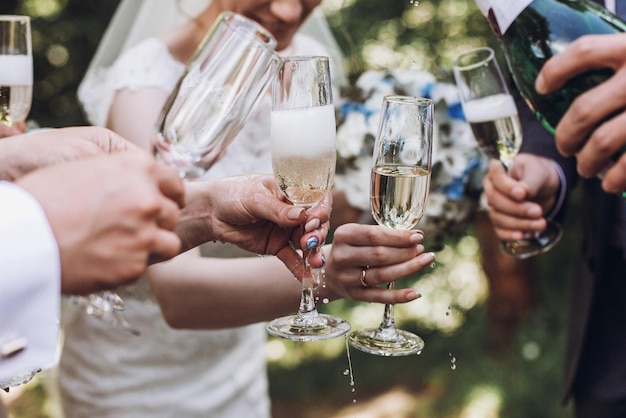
point(109, 215)
point(594, 127)
point(21, 154)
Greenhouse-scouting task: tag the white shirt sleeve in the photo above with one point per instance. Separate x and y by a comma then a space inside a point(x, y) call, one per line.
point(30, 279)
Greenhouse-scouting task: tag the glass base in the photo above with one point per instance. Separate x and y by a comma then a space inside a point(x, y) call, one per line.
point(386, 342)
point(536, 245)
point(106, 306)
point(317, 327)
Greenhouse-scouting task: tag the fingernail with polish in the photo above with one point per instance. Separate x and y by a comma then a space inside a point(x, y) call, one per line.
point(311, 243)
point(417, 238)
point(427, 257)
point(294, 213)
point(413, 294)
point(311, 225)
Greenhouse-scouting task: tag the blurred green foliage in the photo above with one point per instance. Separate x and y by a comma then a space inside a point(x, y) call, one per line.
point(310, 379)
point(65, 35)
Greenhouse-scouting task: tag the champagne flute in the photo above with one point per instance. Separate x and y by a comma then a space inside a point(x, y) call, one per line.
point(303, 159)
point(399, 189)
point(227, 76)
point(492, 114)
point(16, 62)
point(229, 73)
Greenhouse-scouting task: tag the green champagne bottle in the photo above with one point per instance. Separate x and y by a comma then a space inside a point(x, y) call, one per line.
point(532, 31)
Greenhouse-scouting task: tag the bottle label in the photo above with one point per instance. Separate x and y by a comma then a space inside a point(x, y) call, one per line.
point(505, 12)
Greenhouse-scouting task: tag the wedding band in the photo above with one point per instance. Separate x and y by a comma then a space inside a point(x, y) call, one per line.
point(362, 277)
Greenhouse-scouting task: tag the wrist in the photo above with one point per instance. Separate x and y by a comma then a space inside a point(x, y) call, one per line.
point(195, 226)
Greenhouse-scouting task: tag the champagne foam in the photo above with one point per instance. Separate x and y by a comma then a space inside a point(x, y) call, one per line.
point(17, 70)
point(490, 108)
point(308, 131)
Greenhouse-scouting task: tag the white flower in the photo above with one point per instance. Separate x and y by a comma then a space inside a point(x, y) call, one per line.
point(350, 135)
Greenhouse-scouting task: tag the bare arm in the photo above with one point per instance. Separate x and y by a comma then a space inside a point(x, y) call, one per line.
point(133, 114)
point(218, 293)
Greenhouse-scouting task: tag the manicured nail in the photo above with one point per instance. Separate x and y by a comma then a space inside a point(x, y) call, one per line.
point(294, 213)
point(417, 237)
point(427, 257)
point(311, 243)
point(413, 294)
point(312, 225)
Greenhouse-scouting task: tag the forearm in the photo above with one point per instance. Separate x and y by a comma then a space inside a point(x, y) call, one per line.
point(209, 293)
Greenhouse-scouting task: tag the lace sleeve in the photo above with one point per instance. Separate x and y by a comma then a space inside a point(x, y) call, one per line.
point(147, 64)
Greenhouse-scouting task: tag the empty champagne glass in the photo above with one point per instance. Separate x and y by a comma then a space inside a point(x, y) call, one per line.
point(16, 62)
point(399, 188)
point(231, 70)
point(303, 159)
point(492, 114)
point(229, 73)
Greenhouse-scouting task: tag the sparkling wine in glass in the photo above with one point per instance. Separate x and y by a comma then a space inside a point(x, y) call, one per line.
point(16, 64)
point(399, 189)
point(303, 159)
point(492, 115)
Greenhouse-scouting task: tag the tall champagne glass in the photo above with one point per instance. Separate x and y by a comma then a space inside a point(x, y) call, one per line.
point(303, 158)
point(492, 114)
point(399, 189)
point(228, 74)
point(16, 69)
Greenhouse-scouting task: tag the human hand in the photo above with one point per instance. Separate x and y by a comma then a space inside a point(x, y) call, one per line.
point(390, 254)
point(110, 215)
point(7, 131)
point(519, 199)
point(251, 212)
point(594, 127)
point(21, 154)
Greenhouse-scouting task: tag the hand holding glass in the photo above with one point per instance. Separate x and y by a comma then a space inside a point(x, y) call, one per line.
point(303, 158)
point(400, 184)
point(492, 114)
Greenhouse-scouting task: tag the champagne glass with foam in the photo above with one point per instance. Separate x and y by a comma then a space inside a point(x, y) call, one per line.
point(303, 159)
point(16, 62)
point(492, 114)
point(399, 187)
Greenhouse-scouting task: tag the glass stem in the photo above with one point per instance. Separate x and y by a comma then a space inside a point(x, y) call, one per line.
point(307, 309)
point(388, 323)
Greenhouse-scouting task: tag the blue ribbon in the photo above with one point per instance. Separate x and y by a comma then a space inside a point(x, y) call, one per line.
point(454, 190)
point(350, 107)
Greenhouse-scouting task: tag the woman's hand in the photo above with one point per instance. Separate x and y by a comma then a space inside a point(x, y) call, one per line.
point(362, 257)
point(251, 212)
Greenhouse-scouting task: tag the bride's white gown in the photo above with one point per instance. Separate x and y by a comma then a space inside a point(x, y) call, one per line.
point(105, 372)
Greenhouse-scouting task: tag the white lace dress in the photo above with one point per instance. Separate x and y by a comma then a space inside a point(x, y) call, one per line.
point(105, 372)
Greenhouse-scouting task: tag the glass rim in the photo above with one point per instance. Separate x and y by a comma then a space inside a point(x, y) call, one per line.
point(397, 98)
point(252, 25)
point(14, 18)
point(306, 58)
point(490, 55)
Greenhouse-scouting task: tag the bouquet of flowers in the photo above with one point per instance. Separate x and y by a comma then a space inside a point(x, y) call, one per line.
point(458, 164)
